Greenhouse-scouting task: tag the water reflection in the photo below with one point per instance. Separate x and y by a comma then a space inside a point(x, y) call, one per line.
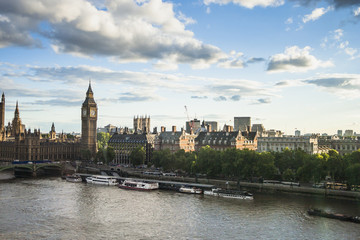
point(55, 209)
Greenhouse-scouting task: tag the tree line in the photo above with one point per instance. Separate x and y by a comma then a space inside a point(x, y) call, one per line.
point(288, 165)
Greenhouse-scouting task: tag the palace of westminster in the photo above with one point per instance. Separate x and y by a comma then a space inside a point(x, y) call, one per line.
point(18, 143)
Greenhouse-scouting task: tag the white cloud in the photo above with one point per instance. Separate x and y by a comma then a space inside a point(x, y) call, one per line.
point(247, 3)
point(127, 84)
point(357, 12)
point(289, 20)
point(295, 59)
point(335, 40)
point(343, 85)
point(125, 31)
point(316, 14)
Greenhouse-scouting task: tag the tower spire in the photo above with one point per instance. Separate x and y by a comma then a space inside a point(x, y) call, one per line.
point(17, 110)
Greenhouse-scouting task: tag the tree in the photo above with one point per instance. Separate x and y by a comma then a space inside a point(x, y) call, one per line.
point(353, 174)
point(103, 139)
point(138, 156)
point(288, 175)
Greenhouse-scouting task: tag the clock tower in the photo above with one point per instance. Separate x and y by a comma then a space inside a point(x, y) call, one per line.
point(89, 114)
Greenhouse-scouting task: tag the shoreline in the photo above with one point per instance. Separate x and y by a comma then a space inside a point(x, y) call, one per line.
point(258, 187)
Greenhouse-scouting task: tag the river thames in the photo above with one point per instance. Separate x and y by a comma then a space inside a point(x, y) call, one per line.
point(52, 208)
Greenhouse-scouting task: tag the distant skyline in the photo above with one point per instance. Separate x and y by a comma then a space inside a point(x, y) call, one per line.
point(287, 64)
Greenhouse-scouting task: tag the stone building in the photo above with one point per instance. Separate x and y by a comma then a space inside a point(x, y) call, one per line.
point(242, 124)
point(24, 145)
point(227, 139)
point(341, 144)
point(309, 144)
point(142, 124)
point(175, 140)
point(124, 144)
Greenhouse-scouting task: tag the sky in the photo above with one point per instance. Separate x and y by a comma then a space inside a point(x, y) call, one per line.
point(287, 64)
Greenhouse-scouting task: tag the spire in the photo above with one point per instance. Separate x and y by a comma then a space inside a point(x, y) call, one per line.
point(17, 110)
point(3, 97)
point(53, 127)
point(89, 92)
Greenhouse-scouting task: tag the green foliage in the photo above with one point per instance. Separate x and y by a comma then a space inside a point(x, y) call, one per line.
point(103, 139)
point(105, 155)
point(288, 165)
point(138, 156)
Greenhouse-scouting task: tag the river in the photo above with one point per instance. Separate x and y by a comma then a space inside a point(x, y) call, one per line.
point(52, 208)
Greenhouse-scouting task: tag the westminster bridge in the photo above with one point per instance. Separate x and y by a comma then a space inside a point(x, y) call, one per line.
point(34, 169)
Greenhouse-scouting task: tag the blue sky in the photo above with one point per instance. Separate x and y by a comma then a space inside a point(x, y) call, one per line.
point(288, 64)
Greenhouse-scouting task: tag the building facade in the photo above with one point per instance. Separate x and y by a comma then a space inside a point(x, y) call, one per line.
point(89, 114)
point(175, 140)
point(142, 124)
point(226, 139)
point(24, 145)
point(124, 144)
point(242, 124)
point(309, 144)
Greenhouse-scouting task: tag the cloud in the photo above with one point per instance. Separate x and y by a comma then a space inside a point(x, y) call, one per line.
point(295, 59)
point(255, 60)
point(342, 85)
point(357, 12)
point(262, 101)
point(316, 14)
point(247, 3)
point(128, 97)
point(335, 40)
point(125, 86)
point(220, 99)
point(123, 29)
point(58, 102)
point(335, 3)
point(199, 97)
point(236, 98)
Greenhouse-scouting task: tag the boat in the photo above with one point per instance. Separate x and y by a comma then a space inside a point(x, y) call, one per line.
point(102, 180)
point(138, 185)
point(342, 217)
point(73, 178)
point(192, 190)
point(218, 192)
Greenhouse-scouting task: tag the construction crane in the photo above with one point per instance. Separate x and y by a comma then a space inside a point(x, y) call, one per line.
point(191, 123)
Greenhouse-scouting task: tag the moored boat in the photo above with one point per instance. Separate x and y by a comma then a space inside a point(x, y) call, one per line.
point(102, 180)
point(73, 178)
point(192, 190)
point(342, 217)
point(138, 185)
point(218, 192)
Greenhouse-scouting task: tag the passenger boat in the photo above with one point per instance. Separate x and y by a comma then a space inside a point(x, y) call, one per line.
point(342, 217)
point(102, 180)
point(138, 185)
point(192, 190)
point(218, 192)
point(73, 178)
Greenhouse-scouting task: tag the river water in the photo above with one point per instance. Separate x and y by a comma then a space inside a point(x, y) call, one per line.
point(52, 208)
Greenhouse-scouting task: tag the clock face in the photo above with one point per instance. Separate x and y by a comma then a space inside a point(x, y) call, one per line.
point(84, 112)
point(92, 112)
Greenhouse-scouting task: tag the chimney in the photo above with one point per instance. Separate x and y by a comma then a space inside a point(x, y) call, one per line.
point(173, 128)
point(208, 128)
point(163, 129)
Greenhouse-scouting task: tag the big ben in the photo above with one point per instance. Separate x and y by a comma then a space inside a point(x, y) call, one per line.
point(89, 114)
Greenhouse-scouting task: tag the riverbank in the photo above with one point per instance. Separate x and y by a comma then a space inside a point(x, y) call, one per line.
point(254, 187)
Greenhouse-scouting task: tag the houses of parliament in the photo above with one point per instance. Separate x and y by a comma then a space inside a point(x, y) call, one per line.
point(19, 143)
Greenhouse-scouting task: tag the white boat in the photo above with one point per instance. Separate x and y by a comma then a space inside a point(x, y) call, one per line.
point(218, 192)
point(192, 190)
point(138, 185)
point(73, 178)
point(102, 180)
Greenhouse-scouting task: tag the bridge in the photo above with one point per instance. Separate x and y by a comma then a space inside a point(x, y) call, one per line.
point(33, 169)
